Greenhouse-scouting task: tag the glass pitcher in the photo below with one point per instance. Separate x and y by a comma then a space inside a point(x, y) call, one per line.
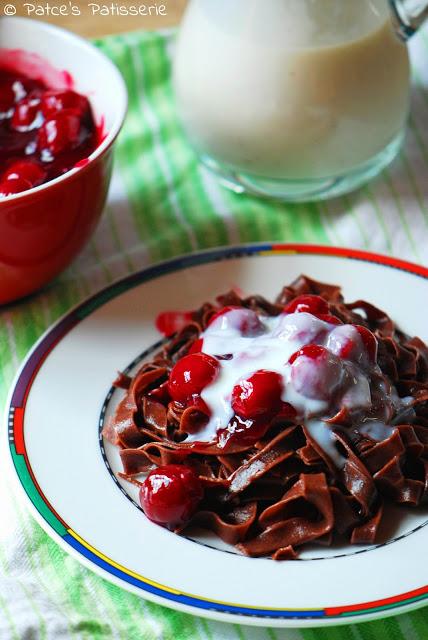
point(295, 99)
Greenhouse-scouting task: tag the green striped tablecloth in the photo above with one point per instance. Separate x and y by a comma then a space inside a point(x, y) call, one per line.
point(163, 204)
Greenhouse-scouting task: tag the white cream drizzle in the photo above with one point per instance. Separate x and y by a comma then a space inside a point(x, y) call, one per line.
point(277, 339)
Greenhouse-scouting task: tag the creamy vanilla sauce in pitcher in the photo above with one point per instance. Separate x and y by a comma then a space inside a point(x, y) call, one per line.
point(291, 88)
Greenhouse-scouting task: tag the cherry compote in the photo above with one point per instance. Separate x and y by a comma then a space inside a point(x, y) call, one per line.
point(43, 132)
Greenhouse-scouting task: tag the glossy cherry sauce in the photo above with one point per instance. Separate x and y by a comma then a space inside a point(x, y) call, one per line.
point(43, 132)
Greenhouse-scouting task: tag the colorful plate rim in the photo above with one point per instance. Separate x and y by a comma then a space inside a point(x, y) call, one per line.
point(71, 542)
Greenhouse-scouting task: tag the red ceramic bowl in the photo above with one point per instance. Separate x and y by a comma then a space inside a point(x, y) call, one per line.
point(44, 228)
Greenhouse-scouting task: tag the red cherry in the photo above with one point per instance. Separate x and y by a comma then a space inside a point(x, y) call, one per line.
point(327, 317)
point(313, 351)
point(197, 346)
point(13, 186)
point(222, 312)
point(169, 322)
point(55, 101)
point(259, 395)
point(27, 169)
point(25, 114)
point(315, 372)
point(191, 375)
point(348, 348)
point(307, 304)
point(246, 321)
point(60, 133)
point(170, 494)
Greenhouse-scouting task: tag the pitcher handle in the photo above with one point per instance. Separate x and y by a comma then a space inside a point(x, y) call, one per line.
point(408, 16)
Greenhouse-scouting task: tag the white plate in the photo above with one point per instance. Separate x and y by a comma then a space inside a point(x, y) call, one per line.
point(54, 418)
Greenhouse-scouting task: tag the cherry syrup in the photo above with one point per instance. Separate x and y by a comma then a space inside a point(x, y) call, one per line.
point(43, 132)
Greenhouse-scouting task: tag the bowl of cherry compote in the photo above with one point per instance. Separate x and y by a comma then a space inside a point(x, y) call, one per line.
point(62, 105)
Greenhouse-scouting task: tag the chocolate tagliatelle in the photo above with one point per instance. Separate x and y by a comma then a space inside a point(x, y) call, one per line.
point(298, 419)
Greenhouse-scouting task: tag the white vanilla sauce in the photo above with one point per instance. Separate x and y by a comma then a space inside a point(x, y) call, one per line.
point(270, 349)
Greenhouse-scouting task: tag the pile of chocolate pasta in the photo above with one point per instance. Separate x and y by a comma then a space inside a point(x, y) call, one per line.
point(276, 495)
